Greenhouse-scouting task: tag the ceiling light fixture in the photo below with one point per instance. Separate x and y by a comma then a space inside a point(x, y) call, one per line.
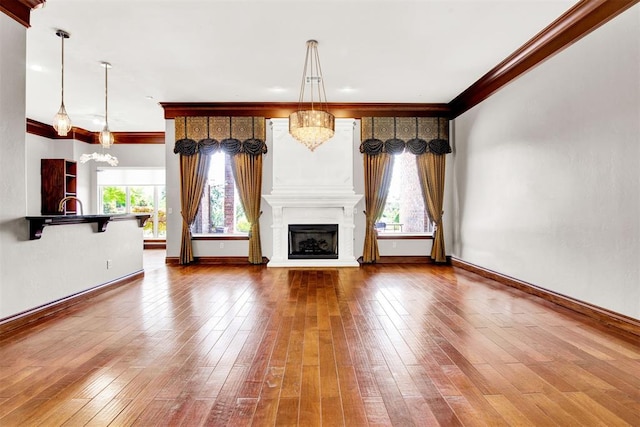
point(106, 137)
point(309, 125)
point(61, 121)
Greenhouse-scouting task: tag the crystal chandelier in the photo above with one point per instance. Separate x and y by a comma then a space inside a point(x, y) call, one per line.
point(314, 124)
point(61, 121)
point(99, 157)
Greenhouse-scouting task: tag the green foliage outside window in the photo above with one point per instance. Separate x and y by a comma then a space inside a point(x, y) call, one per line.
point(141, 200)
point(216, 213)
point(242, 225)
point(114, 200)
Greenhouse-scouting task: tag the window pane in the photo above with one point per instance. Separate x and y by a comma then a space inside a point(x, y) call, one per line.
point(162, 211)
point(114, 200)
point(220, 208)
point(141, 201)
point(404, 211)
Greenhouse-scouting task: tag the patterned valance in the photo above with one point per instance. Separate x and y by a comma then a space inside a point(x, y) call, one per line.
point(394, 135)
point(232, 135)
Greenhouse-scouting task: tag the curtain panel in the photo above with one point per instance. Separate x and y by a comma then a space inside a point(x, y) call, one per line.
point(425, 137)
point(378, 171)
point(247, 171)
point(240, 137)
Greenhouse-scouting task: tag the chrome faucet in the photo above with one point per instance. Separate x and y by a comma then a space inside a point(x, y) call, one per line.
point(64, 202)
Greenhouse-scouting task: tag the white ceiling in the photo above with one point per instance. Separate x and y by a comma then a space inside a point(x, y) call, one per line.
point(422, 51)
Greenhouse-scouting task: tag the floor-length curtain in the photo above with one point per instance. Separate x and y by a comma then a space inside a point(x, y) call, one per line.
point(378, 170)
point(193, 174)
point(247, 172)
point(431, 168)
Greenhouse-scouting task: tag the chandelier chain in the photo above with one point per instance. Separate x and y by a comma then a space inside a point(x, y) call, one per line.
point(309, 125)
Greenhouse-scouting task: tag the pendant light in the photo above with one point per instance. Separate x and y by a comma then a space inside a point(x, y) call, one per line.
point(106, 137)
point(311, 125)
point(61, 121)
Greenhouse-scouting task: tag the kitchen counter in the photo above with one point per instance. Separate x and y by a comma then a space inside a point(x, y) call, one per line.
point(37, 223)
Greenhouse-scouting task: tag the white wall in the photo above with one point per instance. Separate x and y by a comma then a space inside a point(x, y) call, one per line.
point(67, 259)
point(129, 155)
point(241, 247)
point(35, 272)
point(172, 167)
point(547, 173)
point(12, 153)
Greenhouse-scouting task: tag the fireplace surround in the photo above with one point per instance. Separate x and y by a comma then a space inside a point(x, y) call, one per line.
point(313, 188)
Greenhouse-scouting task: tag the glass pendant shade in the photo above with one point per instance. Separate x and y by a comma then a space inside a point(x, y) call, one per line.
point(106, 137)
point(312, 124)
point(61, 121)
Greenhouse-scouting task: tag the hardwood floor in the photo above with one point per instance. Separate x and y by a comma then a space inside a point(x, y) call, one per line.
point(379, 345)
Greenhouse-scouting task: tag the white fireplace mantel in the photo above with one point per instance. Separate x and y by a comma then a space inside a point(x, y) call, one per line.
point(313, 188)
point(312, 209)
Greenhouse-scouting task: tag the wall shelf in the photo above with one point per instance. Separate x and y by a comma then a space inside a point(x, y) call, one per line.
point(58, 179)
point(37, 223)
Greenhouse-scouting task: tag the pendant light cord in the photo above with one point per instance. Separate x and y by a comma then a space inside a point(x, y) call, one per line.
point(62, 74)
point(106, 95)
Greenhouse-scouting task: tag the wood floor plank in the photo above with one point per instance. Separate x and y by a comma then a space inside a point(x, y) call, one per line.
point(331, 412)
point(376, 412)
point(392, 397)
point(106, 413)
point(243, 412)
point(473, 395)
point(352, 401)
point(293, 368)
point(595, 409)
point(387, 345)
point(510, 413)
point(327, 366)
point(618, 403)
point(225, 403)
point(265, 413)
point(511, 400)
point(288, 409)
point(310, 401)
point(441, 410)
point(194, 414)
point(53, 413)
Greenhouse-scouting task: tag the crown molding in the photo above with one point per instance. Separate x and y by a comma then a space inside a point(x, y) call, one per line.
point(284, 109)
point(139, 137)
point(581, 19)
point(47, 131)
point(20, 10)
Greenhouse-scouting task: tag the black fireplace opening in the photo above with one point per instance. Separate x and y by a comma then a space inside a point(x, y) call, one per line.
point(313, 241)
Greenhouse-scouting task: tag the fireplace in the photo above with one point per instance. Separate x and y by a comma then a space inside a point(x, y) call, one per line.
point(313, 241)
point(312, 200)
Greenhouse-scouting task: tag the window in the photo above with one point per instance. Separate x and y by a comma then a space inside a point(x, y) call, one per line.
point(125, 190)
point(405, 211)
point(220, 210)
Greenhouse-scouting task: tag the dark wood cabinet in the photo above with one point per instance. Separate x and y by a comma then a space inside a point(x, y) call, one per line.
point(58, 180)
